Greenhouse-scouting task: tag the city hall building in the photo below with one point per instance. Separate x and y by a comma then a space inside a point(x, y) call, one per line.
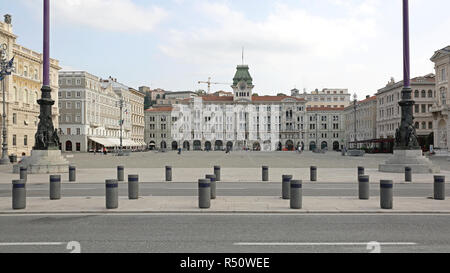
point(242, 121)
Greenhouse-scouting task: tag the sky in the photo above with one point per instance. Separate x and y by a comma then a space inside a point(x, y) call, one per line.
point(173, 44)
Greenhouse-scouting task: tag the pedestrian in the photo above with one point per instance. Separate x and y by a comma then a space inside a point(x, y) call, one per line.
point(179, 151)
point(104, 151)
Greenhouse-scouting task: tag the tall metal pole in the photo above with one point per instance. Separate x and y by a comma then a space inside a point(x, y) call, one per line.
point(4, 160)
point(405, 136)
point(46, 137)
point(121, 123)
point(354, 137)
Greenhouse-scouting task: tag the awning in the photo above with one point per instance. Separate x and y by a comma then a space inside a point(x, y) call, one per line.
point(107, 142)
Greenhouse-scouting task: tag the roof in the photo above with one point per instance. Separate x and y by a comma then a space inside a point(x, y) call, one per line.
point(242, 74)
point(444, 51)
point(275, 98)
point(217, 98)
point(367, 100)
point(160, 109)
point(317, 109)
point(427, 79)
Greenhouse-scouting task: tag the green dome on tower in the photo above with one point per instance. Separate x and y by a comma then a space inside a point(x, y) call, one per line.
point(242, 74)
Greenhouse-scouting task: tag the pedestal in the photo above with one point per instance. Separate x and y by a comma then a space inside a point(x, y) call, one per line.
point(408, 158)
point(45, 162)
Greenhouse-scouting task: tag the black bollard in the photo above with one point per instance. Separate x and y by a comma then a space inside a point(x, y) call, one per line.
point(112, 194)
point(386, 194)
point(439, 187)
point(168, 173)
point(120, 173)
point(72, 173)
point(313, 173)
point(360, 170)
point(408, 174)
point(19, 194)
point(265, 173)
point(217, 173)
point(133, 186)
point(55, 187)
point(286, 186)
point(296, 194)
point(204, 193)
point(364, 187)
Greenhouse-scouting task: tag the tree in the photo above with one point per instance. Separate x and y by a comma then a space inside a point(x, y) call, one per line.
point(255, 95)
point(281, 95)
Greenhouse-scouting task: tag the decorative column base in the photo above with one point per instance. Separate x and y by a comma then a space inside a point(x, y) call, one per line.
point(44, 162)
point(408, 158)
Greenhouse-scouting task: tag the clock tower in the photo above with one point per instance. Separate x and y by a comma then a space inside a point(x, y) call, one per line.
point(242, 84)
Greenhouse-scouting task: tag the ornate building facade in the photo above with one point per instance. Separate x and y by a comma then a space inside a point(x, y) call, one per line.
point(23, 90)
point(440, 110)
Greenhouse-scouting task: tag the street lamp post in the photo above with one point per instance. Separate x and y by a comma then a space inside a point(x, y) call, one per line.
point(6, 68)
point(355, 102)
point(121, 102)
point(405, 136)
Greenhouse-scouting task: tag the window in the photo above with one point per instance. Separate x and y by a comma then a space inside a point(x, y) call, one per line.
point(416, 125)
point(14, 118)
point(416, 108)
point(78, 94)
point(430, 93)
point(443, 75)
point(25, 140)
point(14, 142)
point(68, 94)
point(424, 108)
point(416, 94)
point(78, 131)
point(68, 105)
point(424, 125)
point(430, 125)
point(78, 105)
point(424, 94)
point(69, 132)
point(78, 145)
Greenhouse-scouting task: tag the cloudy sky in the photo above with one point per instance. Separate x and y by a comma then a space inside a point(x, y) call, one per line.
point(172, 44)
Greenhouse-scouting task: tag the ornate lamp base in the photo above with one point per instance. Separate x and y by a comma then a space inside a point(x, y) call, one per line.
point(43, 162)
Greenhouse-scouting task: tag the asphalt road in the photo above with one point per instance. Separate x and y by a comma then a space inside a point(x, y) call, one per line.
point(231, 233)
point(225, 189)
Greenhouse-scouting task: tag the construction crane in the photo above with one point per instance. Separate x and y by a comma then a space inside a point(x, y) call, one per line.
point(209, 84)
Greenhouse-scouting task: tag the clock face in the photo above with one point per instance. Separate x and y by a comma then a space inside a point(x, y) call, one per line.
point(242, 86)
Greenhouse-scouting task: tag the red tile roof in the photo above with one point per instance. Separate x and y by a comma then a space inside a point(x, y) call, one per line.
point(274, 98)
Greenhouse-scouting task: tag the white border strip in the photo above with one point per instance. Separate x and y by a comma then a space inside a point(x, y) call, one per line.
point(322, 244)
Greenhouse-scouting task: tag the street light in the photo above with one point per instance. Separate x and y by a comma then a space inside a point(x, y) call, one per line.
point(6, 68)
point(120, 105)
point(355, 102)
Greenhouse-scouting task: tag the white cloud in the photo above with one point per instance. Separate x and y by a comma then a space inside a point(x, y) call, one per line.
point(110, 15)
point(289, 47)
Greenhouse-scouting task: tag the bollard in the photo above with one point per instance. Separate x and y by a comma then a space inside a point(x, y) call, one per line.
point(265, 173)
point(55, 187)
point(212, 178)
point(204, 193)
point(360, 170)
point(133, 186)
point(408, 174)
point(19, 194)
point(286, 186)
point(313, 173)
point(23, 174)
point(168, 173)
point(386, 194)
point(364, 187)
point(120, 173)
point(72, 174)
point(112, 194)
point(296, 194)
point(217, 173)
point(439, 187)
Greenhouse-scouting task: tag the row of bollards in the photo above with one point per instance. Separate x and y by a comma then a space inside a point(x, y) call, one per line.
point(265, 175)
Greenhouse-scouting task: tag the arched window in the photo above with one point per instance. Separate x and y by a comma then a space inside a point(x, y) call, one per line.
point(416, 94)
point(25, 96)
point(417, 125)
point(430, 93)
point(424, 125)
point(424, 94)
point(16, 96)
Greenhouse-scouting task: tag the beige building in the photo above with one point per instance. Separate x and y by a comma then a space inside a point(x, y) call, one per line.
point(137, 116)
point(366, 122)
point(23, 90)
point(241, 121)
point(388, 109)
point(90, 113)
point(330, 98)
point(440, 110)
point(324, 128)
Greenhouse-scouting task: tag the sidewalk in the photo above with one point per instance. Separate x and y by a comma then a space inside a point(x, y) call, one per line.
point(330, 175)
point(226, 205)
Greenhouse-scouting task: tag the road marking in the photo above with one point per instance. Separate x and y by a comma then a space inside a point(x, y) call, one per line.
point(321, 244)
point(33, 244)
point(259, 214)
